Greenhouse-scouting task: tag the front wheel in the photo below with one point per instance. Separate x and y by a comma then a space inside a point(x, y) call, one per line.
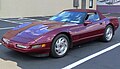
point(60, 46)
point(108, 34)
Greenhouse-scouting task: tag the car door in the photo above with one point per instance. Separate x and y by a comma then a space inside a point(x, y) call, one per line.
point(94, 29)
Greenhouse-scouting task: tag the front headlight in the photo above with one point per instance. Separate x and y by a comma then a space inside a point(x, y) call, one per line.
point(21, 46)
point(6, 40)
point(36, 46)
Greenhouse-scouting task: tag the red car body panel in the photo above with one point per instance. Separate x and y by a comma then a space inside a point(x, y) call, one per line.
point(78, 33)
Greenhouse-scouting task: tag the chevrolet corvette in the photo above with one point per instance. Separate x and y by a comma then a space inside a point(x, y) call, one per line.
point(61, 32)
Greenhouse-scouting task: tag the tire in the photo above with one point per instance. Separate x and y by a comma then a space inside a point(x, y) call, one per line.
point(60, 46)
point(108, 34)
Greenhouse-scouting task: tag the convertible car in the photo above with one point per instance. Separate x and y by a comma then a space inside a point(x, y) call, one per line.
point(61, 32)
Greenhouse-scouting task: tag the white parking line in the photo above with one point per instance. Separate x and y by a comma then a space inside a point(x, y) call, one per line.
point(14, 22)
point(91, 56)
point(10, 21)
point(106, 14)
point(34, 19)
point(6, 28)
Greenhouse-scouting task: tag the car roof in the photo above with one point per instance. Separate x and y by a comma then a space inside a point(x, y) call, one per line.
point(86, 10)
point(82, 10)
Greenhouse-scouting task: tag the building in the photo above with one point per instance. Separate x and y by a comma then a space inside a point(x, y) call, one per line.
point(28, 8)
point(109, 1)
point(108, 6)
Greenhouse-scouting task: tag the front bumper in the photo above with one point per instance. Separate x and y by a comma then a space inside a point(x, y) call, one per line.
point(29, 50)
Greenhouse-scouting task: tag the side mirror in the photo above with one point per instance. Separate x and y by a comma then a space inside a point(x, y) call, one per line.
point(87, 22)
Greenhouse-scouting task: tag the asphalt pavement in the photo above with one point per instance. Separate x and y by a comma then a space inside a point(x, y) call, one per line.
point(108, 60)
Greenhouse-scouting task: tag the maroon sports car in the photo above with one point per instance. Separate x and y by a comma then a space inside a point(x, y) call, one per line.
point(60, 33)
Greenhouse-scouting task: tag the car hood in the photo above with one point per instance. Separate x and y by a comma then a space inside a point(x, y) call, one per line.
point(28, 32)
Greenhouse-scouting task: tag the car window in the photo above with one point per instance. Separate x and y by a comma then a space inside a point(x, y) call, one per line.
point(92, 17)
point(70, 16)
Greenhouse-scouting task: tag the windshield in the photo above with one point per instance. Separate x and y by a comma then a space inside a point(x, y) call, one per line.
point(69, 16)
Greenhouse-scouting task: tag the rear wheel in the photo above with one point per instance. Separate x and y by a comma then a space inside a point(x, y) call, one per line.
point(108, 34)
point(60, 46)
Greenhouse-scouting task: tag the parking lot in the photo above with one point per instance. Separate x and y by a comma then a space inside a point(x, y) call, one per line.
point(86, 54)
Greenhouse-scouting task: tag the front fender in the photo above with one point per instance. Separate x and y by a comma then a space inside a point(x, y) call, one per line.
point(49, 36)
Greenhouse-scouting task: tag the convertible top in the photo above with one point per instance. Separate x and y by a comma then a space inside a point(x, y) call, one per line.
point(86, 10)
point(81, 10)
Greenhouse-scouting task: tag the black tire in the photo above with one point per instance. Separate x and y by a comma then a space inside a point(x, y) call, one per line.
point(104, 37)
point(53, 51)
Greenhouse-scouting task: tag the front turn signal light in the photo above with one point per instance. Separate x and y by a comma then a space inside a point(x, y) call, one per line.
point(39, 46)
point(43, 45)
